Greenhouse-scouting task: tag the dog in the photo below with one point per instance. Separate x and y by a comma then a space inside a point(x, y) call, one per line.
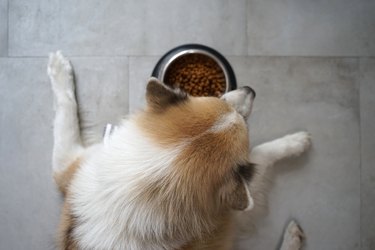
point(173, 176)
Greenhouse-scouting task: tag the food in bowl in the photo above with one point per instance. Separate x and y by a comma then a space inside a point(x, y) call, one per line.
point(196, 74)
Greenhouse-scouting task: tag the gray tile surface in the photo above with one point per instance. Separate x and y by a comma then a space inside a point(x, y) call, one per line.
point(125, 28)
point(102, 93)
point(311, 28)
point(140, 69)
point(367, 156)
point(3, 28)
point(320, 190)
point(34, 24)
point(114, 46)
point(29, 203)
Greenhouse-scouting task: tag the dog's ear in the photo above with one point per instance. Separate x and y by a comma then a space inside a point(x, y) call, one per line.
point(159, 96)
point(235, 193)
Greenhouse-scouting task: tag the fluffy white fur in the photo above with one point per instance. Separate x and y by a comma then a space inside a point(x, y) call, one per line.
point(107, 207)
point(226, 121)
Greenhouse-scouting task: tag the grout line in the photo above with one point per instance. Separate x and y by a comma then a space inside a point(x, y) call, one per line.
point(303, 56)
point(360, 149)
point(247, 28)
point(129, 57)
point(87, 56)
point(238, 56)
point(7, 49)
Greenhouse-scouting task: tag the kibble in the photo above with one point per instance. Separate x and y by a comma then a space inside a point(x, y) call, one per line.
point(196, 74)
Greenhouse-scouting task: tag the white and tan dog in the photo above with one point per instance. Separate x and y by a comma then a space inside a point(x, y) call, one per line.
point(170, 177)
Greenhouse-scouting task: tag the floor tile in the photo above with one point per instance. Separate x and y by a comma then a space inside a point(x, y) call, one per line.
point(140, 69)
point(29, 207)
point(321, 189)
point(29, 204)
point(3, 27)
point(114, 45)
point(311, 28)
point(367, 153)
point(34, 28)
point(125, 27)
point(102, 93)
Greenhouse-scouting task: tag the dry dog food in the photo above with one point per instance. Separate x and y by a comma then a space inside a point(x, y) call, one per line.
point(196, 74)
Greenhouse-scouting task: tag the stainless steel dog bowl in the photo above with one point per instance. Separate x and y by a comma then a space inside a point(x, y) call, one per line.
point(164, 64)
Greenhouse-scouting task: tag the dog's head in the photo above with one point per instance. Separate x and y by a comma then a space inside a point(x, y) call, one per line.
point(210, 168)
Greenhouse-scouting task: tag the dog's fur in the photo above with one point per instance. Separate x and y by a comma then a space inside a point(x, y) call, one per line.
point(170, 177)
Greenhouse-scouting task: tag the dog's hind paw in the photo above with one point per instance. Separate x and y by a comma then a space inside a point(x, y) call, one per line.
point(293, 237)
point(60, 72)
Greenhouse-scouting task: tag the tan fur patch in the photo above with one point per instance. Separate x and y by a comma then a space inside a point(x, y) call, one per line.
point(207, 165)
point(63, 178)
point(182, 121)
point(189, 196)
point(67, 224)
point(208, 157)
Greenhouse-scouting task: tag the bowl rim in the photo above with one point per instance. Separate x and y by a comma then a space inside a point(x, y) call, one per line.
point(168, 58)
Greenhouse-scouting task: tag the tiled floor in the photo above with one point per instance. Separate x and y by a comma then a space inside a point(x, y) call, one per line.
point(312, 64)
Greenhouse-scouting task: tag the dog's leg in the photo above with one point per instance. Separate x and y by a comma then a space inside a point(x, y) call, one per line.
point(276, 150)
point(267, 154)
point(264, 157)
point(67, 145)
point(293, 237)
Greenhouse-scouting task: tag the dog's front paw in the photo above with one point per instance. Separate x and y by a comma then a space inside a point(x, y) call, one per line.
point(293, 237)
point(60, 72)
point(298, 143)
